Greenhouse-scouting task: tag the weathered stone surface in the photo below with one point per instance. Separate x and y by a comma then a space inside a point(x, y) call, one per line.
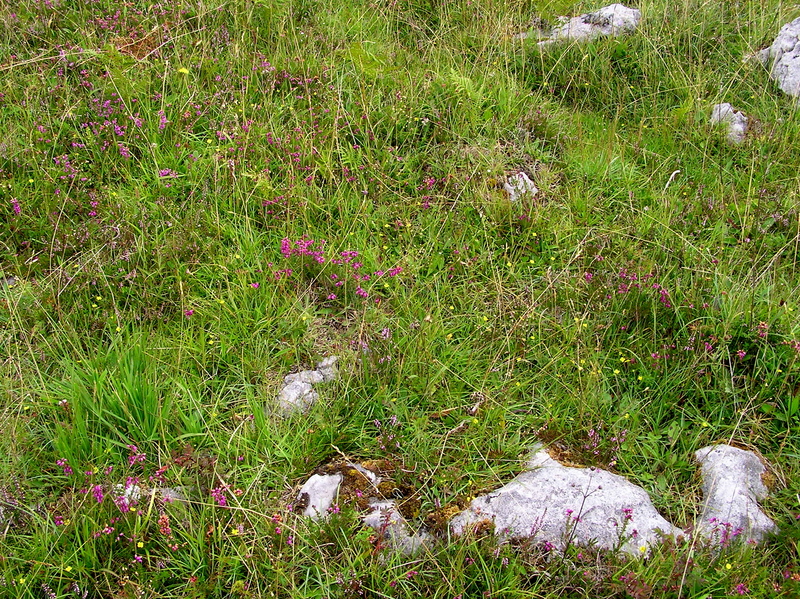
point(386, 519)
point(560, 506)
point(298, 394)
point(735, 121)
point(519, 184)
point(319, 494)
point(732, 487)
point(612, 20)
point(782, 58)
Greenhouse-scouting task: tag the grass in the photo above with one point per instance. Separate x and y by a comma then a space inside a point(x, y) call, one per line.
point(156, 156)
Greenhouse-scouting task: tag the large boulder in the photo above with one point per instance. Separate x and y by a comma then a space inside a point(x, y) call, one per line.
point(558, 506)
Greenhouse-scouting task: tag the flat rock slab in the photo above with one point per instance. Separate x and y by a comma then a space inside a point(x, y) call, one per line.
point(558, 506)
point(611, 20)
point(297, 394)
point(782, 58)
point(735, 121)
point(732, 488)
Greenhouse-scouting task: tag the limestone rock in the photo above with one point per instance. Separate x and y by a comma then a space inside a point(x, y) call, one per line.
point(735, 121)
point(560, 506)
point(783, 58)
point(321, 492)
point(318, 494)
point(298, 394)
point(386, 519)
point(612, 20)
point(519, 184)
point(732, 487)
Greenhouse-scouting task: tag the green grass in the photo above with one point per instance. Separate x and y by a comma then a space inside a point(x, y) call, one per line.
point(159, 154)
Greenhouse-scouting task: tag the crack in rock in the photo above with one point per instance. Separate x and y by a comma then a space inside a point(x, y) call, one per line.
point(298, 394)
point(732, 488)
point(735, 120)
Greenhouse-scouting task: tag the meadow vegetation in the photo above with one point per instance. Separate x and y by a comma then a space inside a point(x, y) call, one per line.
point(198, 197)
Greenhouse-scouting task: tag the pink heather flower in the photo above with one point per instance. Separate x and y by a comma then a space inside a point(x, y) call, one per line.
point(741, 353)
point(254, 285)
point(65, 466)
point(15, 205)
point(135, 456)
point(97, 493)
point(219, 496)
point(332, 296)
point(188, 313)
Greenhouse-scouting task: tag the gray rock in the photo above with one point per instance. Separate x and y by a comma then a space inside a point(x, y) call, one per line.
point(385, 518)
point(735, 121)
point(782, 58)
point(518, 185)
point(321, 491)
point(732, 487)
point(318, 494)
point(8, 281)
point(560, 506)
point(611, 20)
point(297, 394)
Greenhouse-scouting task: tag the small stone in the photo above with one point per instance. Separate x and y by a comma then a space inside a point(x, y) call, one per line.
point(298, 394)
point(558, 506)
point(611, 20)
point(782, 58)
point(386, 519)
point(8, 281)
point(732, 488)
point(518, 185)
point(319, 494)
point(735, 120)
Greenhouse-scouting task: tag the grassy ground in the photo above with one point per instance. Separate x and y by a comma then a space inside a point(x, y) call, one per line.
point(179, 183)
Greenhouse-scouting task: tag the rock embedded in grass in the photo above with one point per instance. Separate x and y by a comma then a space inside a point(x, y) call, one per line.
point(612, 20)
point(385, 518)
point(353, 483)
point(782, 58)
point(735, 121)
point(559, 506)
point(519, 185)
point(732, 487)
point(318, 494)
point(297, 394)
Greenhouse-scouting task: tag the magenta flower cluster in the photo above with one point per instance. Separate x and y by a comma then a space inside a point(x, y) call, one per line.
point(306, 247)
